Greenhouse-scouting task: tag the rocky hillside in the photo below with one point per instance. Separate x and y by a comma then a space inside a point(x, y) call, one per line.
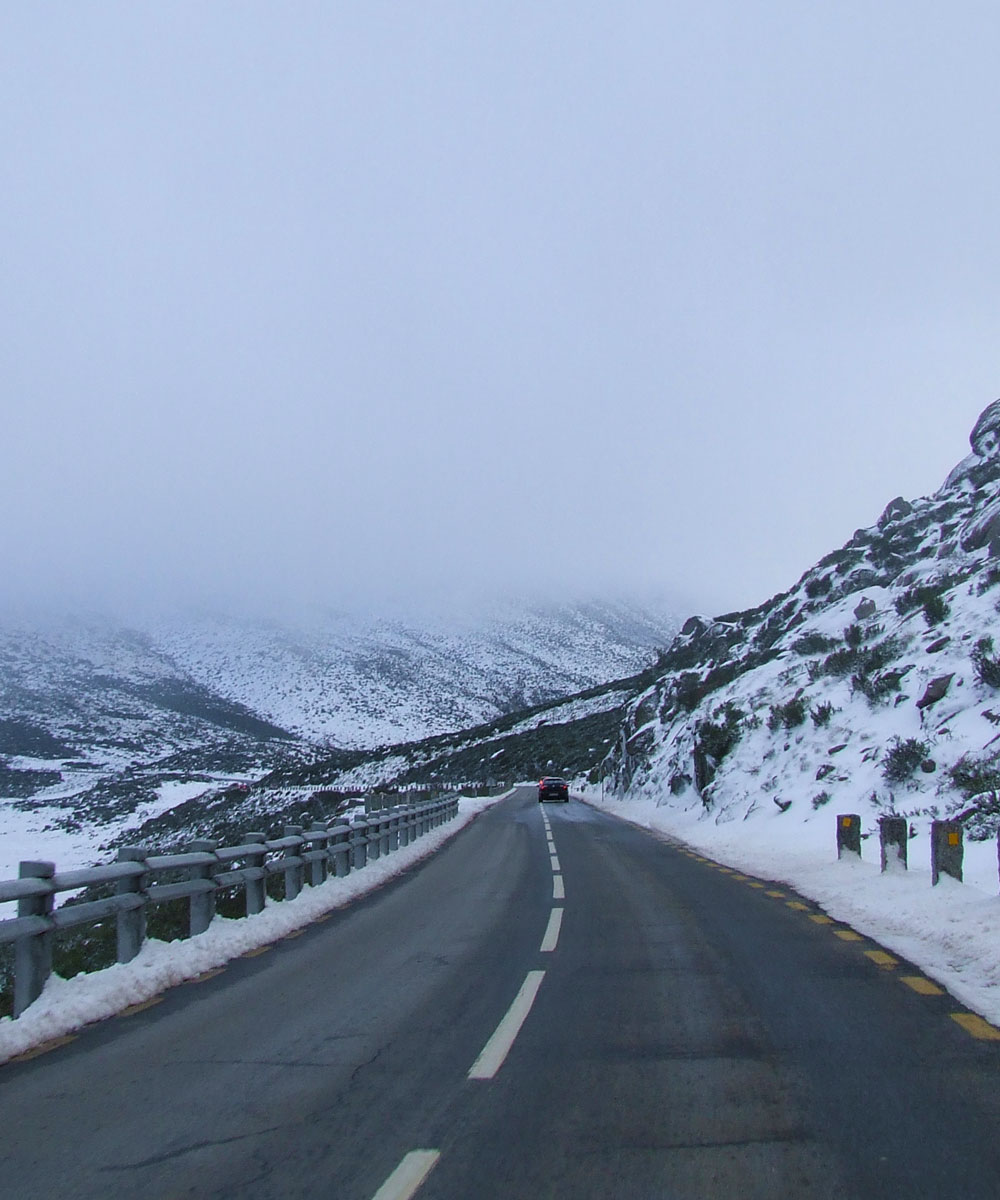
point(872, 685)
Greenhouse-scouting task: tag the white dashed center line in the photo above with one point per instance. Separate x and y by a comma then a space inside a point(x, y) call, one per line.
point(498, 1047)
point(558, 891)
point(408, 1176)
point(551, 937)
point(555, 863)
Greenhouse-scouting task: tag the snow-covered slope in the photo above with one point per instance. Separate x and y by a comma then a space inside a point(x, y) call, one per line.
point(98, 729)
point(872, 686)
point(360, 681)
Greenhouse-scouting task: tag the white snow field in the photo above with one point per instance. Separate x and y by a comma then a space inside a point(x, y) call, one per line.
point(950, 931)
point(68, 1004)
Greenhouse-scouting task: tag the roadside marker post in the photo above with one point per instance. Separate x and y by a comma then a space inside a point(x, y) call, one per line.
point(892, 834)
point(947, 850)
point(848, 834)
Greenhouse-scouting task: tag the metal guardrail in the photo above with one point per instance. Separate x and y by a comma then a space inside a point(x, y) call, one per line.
point(301, 856)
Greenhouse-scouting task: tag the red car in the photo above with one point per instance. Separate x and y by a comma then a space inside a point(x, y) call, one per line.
point(551, 788)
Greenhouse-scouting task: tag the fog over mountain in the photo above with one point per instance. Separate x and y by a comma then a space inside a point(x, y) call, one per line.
point(323, 303)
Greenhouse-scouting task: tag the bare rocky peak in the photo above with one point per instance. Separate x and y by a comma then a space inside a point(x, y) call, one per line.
point(985, 443)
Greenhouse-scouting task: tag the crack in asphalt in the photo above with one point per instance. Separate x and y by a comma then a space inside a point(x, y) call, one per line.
point(258, 1062)
point(169, 1155)
point(792, 1137)
point(361, 1066)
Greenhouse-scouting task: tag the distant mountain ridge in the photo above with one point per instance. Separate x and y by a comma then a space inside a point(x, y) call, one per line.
point(101, 719)
point(356, 681)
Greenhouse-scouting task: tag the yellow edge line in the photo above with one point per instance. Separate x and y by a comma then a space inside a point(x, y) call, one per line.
point(975, 1025)
point(138, 1008)
point(919, 984)
point(44, 1048)
point(881, 959)
point(206, 975)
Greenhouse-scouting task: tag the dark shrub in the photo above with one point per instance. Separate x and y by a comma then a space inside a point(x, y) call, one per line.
point(819, 587)
point(972, 777)
point(935, 609)
point(927, 598)
point(840, 662)
point(813, 643)
point(903, 758)
point(787, 715)
point(907, 602)
point(687, 690)
point(987, 667)
point(989, 580)
point(877, 687)
point(821, 715)
point(718, 737)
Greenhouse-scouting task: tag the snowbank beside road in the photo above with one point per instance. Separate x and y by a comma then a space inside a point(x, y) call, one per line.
point(68, 1004)
point(952, 931)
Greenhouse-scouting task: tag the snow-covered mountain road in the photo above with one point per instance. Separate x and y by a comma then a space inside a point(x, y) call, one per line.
point(556, 1004)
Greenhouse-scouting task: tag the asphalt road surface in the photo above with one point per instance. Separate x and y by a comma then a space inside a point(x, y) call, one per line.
point(555, 1005)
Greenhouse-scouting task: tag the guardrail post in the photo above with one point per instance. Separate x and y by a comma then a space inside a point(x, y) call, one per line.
point(394, 823)
point(293, 873)
point(318, 837)
point(33, 952)
point(892, 836)
point(374, 837)
point(256, 884)
point(405, 814)
point(202, 904)
point(848, 834)
point(359, 845)
point(131, 922)
point(340, 848)
point(384, 839)
point(947, 850)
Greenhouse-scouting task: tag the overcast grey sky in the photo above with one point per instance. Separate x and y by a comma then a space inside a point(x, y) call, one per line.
point(313, 299)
